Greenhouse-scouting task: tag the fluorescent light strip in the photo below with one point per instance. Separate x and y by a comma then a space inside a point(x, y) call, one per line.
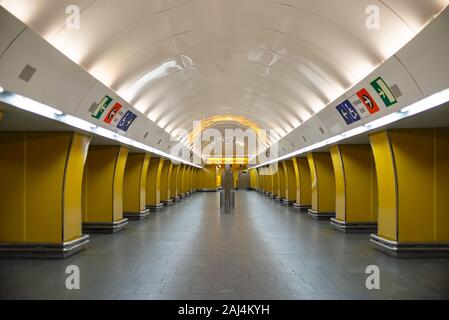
point(43, 110)
point(425, 104)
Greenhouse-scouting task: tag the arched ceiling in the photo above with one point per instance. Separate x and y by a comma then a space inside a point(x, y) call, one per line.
point(273, 62)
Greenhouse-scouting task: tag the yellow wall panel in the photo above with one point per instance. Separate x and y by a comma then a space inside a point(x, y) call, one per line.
point(254, 179)
point(414, 158)
point(206, 178)
point(42, 150)
point(185, 179)
point(134, 192)
point(276, 180)
point(282, 181)
point(290, 172)
point(414, 205)
point(179, 179)
point(303, 181)
point(323, 182)
point(41, 186)
point(271, 179)
point(103, 184)
point(356, 189)
point(12, 187)
point(153, 186)
point(165, 181)
point(174, 181)
point(170, 178)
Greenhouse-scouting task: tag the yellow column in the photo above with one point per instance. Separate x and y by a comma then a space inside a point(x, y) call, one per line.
point(218, 174)
point(267, 181)
point(270, 182)
point(323, 186)
point(165, 182)
point(192, 180)
point(253, 179)
point(283, 182)
point(303, 181)
point(153, 187)
point(291, 181)
point(275, 171)
point(185, 181)
point(134, 186)
point(189, 181)
point(174, 194)
point(235, 171)
point(412, 167)
point(261, 180)
point(258, 182)
point(179, 181)
point(356, 188)
point(264, 180)
point(103, 189)
point(171, 187)
point(40, 184)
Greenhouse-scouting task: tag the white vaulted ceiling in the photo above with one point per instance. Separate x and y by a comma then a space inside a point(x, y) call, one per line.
point(273, 62)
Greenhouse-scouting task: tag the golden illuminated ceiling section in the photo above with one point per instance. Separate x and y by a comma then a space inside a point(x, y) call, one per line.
point(272, 62)
point(212, 122)
point(235, 132)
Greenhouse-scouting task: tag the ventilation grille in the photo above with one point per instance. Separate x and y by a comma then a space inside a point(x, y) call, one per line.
point(27, 73)
point(396, 91)
point(93, 107)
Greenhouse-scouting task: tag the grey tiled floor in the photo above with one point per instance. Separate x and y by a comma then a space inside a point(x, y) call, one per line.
point(262, 251)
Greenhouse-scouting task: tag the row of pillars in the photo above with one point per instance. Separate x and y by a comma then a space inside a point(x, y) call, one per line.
point(396, 188)
point(56, 188)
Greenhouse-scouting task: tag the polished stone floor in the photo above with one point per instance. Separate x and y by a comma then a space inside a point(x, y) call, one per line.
point(262, 251)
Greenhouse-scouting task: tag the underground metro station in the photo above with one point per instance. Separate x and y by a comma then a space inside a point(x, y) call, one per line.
point(224, 149)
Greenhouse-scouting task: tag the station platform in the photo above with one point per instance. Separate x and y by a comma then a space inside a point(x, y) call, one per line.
point(262, 251)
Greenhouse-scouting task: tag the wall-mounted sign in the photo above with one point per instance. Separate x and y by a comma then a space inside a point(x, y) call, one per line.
point(126, 121)
point(348, 113)
point(368, 101)
point(359, 106)
point(102, 106)
point(112, 113)
point(384, 92)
